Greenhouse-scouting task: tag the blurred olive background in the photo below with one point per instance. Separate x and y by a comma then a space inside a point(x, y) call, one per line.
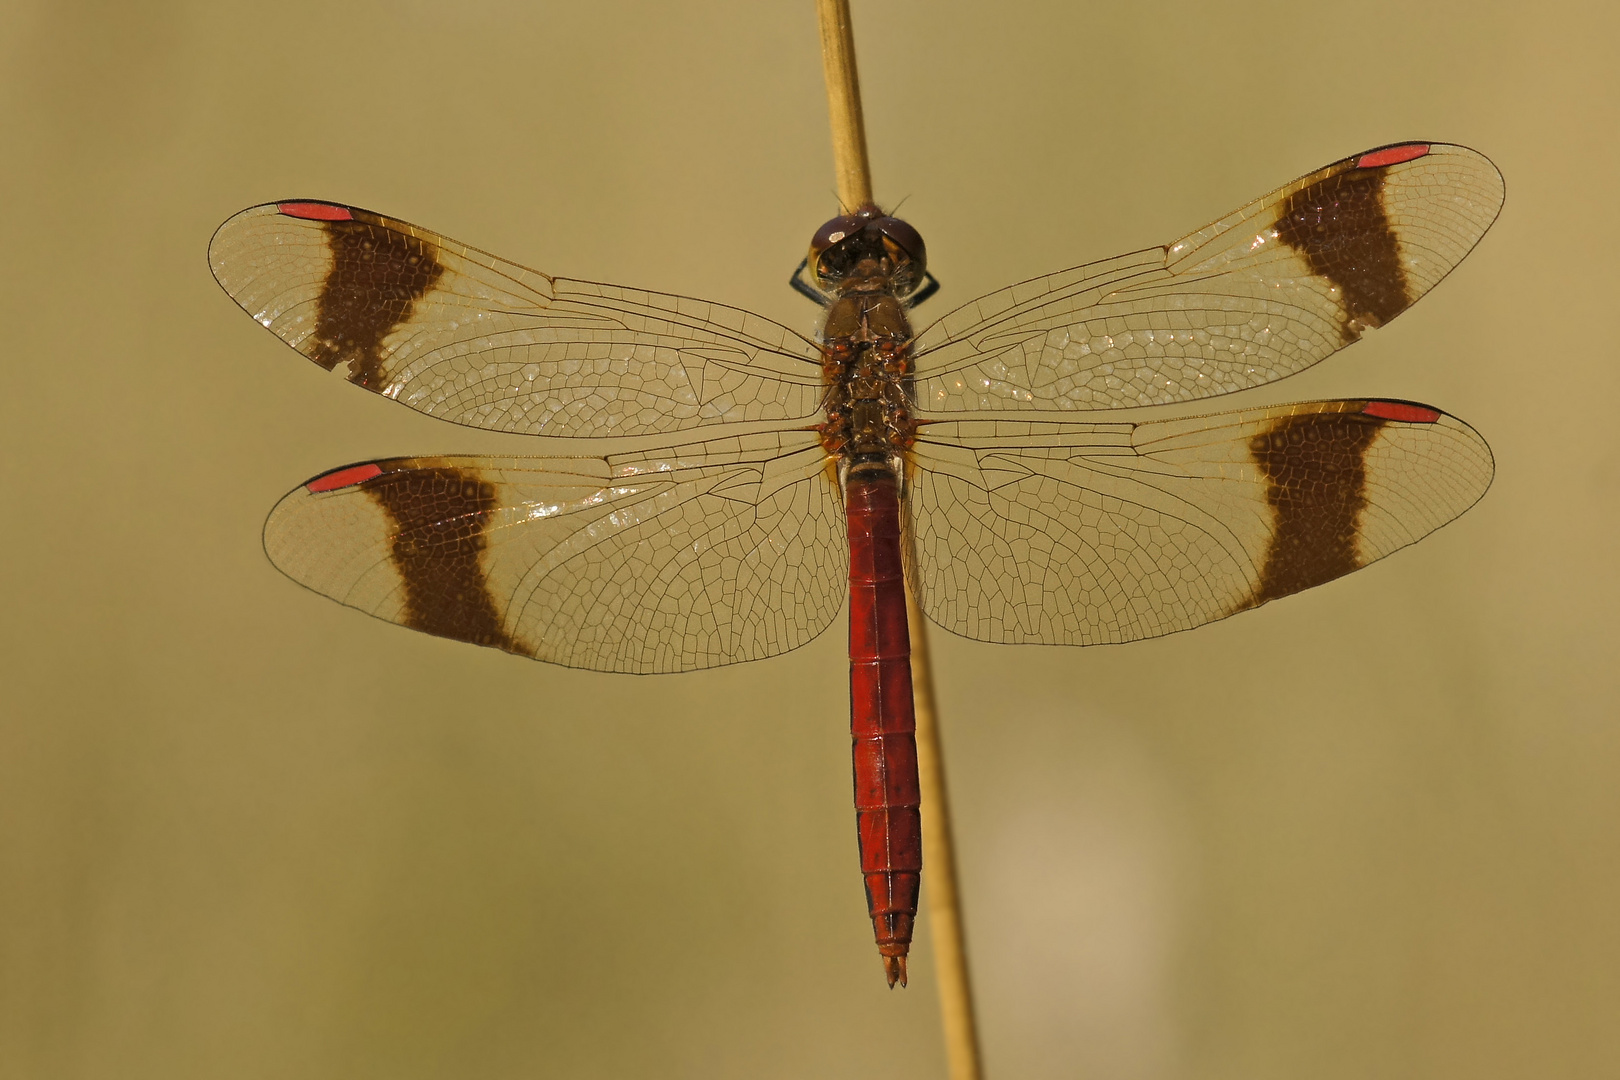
point(245, 832)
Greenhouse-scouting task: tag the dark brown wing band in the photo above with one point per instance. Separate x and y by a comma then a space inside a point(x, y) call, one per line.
point(377, 275)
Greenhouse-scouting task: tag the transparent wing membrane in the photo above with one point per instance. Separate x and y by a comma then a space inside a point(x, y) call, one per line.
point(732, 547)
point(462, 335)
point(683, 558)
point(1264, 292)
point(1064, 533)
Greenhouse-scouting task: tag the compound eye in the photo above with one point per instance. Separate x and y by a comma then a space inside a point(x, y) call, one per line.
point(902, 242)
point(835, 231)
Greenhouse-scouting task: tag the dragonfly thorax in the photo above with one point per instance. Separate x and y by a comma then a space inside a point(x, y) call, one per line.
point(866, 368)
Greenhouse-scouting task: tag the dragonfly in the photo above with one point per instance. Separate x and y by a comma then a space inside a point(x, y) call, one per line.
point(736, 479)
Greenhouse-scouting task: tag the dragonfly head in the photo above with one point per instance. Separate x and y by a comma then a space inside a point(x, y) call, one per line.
point(865, 246)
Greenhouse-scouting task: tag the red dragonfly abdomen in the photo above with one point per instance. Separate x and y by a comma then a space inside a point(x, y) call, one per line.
point(882, 724)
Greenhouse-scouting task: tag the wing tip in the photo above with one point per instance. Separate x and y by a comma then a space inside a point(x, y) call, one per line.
point(1400, 153)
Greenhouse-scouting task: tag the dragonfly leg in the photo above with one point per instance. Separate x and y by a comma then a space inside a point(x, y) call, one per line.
point(930, 286)
point(804, 288)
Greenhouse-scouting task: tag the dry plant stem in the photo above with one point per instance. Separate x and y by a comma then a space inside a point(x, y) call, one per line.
point(844, 103)
point(939, 853)
point(939, 863)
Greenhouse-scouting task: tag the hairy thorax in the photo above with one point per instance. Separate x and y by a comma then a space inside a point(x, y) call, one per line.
point(866, 366)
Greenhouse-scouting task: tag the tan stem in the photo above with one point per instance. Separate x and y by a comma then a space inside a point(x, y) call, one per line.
point(939, 852)
point(844, 102)
point(939, 868)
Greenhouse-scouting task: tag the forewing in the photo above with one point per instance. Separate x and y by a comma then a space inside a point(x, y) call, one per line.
point(457, 333)
point(690, 557)
point(1063, 533)
point(1262, 293)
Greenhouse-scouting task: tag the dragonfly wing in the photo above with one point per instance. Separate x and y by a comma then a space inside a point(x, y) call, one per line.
point(1083, 534)
point(1264, 292)
point(462, 335)
point(689, 557)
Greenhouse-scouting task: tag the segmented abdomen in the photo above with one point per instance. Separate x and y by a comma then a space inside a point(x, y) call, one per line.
point(882, 724)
